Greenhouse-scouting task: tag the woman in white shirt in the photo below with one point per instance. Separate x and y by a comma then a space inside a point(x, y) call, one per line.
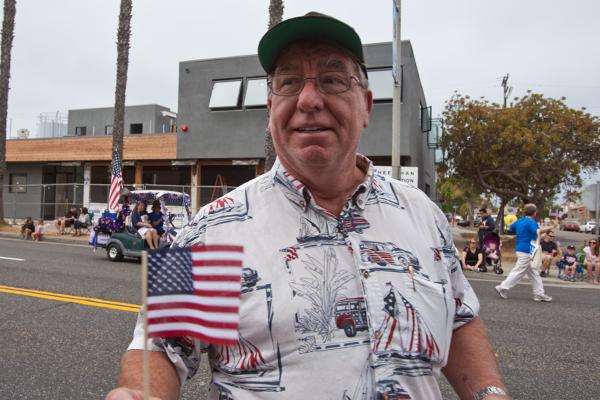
point(592, 261)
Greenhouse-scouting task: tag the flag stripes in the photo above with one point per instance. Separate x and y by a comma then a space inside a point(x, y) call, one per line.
point(195, 292)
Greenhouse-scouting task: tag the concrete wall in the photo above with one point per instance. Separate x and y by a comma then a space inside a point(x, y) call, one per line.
point(239, 133)
point(21, 205)
point(96, 119)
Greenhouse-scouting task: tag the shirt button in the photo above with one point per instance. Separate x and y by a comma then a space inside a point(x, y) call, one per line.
point(365, 274)
point(302, 203)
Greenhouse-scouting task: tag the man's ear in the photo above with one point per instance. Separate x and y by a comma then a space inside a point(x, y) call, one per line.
point(368, 96)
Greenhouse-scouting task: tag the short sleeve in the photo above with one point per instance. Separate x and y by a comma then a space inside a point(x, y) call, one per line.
point(183, 352)
point(467, 304)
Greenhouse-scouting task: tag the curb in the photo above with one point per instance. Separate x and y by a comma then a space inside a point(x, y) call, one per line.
point(47, 238)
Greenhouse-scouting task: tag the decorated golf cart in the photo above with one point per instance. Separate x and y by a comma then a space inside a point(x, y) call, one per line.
point(114, 231)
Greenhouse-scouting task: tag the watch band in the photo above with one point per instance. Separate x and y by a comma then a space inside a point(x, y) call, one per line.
point(486, 391)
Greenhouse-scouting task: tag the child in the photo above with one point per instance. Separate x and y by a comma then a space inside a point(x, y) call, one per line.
point(27, 228)
point(39, 230)
point(569, 263)
point(491, 253)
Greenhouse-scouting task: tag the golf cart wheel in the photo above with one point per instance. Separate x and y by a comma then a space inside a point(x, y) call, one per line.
point(114, 253)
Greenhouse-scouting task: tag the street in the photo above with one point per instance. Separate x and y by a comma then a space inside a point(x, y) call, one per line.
point(56, 349)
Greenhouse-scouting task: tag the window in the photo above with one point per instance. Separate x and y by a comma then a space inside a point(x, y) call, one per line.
point(108, 130)
point(17, 183)
point(382, 84)
point(80, 130)
point(225, 94)
point(425, 118)
point(439, 156)
point(256, 93)
point(136, 129)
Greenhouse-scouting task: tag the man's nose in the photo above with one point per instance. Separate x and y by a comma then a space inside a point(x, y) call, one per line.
point(310, 98)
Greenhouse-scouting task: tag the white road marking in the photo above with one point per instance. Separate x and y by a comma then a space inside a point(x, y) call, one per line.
point(12, 259)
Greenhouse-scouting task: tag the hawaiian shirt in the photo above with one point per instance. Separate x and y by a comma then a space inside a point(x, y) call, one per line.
point(360, 305)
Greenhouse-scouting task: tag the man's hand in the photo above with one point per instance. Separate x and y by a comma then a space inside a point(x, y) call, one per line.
point(127, 394)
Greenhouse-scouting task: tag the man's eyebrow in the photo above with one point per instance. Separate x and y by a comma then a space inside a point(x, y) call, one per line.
point(332, 63)
point(287, 68)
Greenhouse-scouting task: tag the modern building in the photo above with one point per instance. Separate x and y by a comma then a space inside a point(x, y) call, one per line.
point(150, 118)
point(219, 140)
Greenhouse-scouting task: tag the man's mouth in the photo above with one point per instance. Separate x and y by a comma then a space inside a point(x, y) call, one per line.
point(311, 129)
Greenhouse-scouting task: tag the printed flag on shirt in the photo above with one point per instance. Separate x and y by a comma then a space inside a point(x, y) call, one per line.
point(195, 291)
point(116, 182)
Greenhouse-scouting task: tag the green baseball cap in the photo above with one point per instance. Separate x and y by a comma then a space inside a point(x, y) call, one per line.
point(313, 25)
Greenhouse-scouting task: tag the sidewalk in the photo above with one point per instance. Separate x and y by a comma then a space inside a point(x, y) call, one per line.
point(50, 234)
point(507, 266)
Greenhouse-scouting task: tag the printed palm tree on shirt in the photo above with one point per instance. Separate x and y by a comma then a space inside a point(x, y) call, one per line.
point(322, 289)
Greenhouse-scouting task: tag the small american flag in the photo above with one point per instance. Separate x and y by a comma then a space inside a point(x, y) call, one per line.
point(116, 182)
point(195, 291)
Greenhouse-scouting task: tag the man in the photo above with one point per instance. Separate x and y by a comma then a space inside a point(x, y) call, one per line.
point(527, 231)
point(67, 221)
point(356, 288)
point(486, 225)
point(550, 251)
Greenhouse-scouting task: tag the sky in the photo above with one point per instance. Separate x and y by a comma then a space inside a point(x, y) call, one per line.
point(64, 51)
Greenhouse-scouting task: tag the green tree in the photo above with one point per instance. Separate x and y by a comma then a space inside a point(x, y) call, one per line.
point(8, 29)
point(123, 36)
point(529, 151)
point(460, 192)
point(275, 17)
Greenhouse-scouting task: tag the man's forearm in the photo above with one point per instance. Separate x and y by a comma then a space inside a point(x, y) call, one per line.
point(164, 382)
point(471, 363)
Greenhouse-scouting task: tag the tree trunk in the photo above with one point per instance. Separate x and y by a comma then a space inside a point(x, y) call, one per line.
point(8, 29)
point(500, 219)
point(123, 35)
point(275, 17)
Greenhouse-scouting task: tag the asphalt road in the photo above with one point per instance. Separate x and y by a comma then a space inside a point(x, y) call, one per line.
point(59, 350)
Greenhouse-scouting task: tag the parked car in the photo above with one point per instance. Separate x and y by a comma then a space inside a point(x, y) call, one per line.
point(569, 225)
point(463, 223)
point(588, 227)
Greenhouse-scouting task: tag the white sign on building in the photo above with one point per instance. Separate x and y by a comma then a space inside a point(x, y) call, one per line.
point(408, 175)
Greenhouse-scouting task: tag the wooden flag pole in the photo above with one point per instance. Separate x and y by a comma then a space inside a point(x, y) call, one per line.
point(146, 368)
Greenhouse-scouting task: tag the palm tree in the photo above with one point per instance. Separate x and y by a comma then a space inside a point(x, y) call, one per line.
point(123, 35)
point(8, 29)
point(275, 17)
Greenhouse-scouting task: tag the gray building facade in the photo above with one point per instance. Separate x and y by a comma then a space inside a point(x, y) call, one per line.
point(150, 118)
point(222, 111)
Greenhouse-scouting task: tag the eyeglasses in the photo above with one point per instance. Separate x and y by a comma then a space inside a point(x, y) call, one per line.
point(593, 242)
point(334, 82)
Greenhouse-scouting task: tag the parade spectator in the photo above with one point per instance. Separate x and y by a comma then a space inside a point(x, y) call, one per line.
point(527, 231)
point(486, 225)
point(592, 261)
point(550, 251)
point(319, 103)
point(68, 220)
point(568, 263)
point(27, 228)
point(472, 257)
point(83, 221)
point(39, 230)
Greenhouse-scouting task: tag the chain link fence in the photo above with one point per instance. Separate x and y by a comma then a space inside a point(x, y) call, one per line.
point(50, 201)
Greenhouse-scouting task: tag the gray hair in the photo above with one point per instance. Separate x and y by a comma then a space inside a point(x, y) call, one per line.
point(529, 209)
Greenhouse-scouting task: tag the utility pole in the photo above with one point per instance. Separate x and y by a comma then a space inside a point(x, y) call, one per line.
point(507, 89)
point(396, 105)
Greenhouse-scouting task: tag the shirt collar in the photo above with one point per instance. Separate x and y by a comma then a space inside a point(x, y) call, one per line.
point(297, 189)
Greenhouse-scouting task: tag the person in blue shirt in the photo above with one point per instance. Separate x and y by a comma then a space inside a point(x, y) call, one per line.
point(527, 231)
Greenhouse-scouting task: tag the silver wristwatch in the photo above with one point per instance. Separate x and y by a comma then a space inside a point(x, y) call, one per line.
point(486, 391)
